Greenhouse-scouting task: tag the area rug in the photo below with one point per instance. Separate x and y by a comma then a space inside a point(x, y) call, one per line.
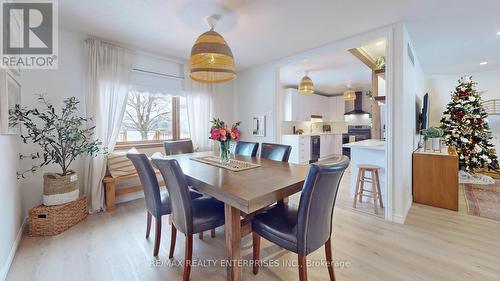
point(483, 200)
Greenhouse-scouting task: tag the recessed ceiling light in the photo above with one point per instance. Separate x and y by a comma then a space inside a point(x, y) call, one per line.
point(498, 33)
point(483, 63)
point(379, 43)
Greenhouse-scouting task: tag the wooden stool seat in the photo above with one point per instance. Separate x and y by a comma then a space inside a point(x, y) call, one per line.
point(369, 167)
point(375, 192)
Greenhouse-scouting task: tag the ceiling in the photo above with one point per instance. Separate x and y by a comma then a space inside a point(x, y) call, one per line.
point(458, 44)
point(332, 73)
point(448, 34)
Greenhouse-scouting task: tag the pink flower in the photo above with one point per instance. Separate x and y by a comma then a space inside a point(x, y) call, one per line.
point(235, 134)
point(214, 134)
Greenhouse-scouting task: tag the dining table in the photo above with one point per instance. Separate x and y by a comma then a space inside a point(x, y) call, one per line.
point(242, 192)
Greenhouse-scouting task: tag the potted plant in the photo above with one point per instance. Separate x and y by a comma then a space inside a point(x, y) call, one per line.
point(224, 135)
point(62, 136)
point(433, 135)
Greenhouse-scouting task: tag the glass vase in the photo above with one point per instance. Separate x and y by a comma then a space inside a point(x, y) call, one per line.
point(224, 151)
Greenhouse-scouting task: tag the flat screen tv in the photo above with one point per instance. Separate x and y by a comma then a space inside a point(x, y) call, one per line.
point(421, 113)
point(425, 113)
point(418, 115)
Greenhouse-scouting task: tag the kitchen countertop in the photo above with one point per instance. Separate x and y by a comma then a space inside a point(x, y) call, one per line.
point(316, 134)
point(373, 144)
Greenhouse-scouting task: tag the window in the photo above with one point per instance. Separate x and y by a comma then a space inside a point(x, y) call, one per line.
point(152, 117)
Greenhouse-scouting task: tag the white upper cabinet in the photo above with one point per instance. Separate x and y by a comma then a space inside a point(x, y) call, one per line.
point(337, 109)
point(300, 107)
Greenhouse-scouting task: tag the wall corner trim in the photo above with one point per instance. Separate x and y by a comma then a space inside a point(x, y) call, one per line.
point(13, 250)
point(401, 218)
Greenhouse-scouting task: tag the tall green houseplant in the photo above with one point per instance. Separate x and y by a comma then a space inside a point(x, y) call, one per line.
point(62, 136)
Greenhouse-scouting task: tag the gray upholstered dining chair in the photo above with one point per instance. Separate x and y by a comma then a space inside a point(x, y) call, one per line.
point(157, 201)
point(276, 152)
point(305, 228)
point(189, 216)
point(245, 148)
point(178, 147)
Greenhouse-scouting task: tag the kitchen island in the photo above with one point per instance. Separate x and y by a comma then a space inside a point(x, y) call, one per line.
point(370, 152)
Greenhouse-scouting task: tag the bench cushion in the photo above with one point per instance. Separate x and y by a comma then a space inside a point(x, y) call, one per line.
point(119, 165)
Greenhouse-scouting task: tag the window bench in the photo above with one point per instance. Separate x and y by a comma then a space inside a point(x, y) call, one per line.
point(111, 192)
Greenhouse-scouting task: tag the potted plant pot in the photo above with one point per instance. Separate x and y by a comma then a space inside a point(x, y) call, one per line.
point(432, 137)
point(436, 144)
point(59, 189)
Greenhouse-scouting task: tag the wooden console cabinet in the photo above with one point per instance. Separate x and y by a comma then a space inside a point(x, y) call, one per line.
point(435, 179)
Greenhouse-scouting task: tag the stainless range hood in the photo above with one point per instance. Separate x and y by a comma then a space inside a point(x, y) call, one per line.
point(358, 106)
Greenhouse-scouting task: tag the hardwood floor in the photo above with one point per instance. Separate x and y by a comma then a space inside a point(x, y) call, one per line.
point(434, 244)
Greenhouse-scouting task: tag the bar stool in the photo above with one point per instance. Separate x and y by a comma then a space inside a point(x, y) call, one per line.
point(375, 192)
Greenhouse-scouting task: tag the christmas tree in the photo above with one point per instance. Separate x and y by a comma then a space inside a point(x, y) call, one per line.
point(465, 127)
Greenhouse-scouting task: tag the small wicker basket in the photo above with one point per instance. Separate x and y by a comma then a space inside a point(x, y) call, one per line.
point(53, 220)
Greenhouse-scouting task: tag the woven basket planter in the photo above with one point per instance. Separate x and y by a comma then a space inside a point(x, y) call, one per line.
point(52, 220)
point(59, 189)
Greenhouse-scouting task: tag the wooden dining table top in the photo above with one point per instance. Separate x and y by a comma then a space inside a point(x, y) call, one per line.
point(248, 190)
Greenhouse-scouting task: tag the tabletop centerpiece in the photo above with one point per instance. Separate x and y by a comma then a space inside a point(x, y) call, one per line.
point(224, 135)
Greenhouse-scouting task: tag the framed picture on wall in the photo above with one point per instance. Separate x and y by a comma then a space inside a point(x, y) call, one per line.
point(10, 95)
point(259, 126)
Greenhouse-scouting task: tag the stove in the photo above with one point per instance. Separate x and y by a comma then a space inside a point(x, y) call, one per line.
point(355, 133)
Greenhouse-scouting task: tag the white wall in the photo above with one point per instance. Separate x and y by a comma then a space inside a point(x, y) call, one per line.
point(224, 99)
point(409, 82)
point(10, 201)
point(440, 88)
point(255, 95)
point(57, 84)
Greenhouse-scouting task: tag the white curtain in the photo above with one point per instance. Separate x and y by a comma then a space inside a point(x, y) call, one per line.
point(108, 80)
point(200, 107)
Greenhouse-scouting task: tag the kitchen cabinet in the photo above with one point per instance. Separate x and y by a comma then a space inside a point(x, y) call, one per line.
point(301, 148)
point(330, 144)
point(325, 146)
point(336, 108)
point(300, 107)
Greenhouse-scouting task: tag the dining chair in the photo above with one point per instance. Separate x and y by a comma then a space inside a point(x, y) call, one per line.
point(189, 216)
point(276, 152)
point(178, 147)
point(157, 201)
point(305, 228)
point(245, 148)
point(182, 147)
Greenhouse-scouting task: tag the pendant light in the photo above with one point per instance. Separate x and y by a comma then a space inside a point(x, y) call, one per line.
point(306, 85)
point(349, 94)
point(211, 58)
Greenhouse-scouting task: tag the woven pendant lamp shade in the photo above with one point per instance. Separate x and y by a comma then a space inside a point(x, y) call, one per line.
point(211, 59)
point(349, 95)
point(306, 85)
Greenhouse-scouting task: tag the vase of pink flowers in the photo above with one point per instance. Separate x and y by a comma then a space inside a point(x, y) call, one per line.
point(224, 135)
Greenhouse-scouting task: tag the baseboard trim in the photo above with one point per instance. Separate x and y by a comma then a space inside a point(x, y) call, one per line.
point(13, 250)
point(401, 218)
